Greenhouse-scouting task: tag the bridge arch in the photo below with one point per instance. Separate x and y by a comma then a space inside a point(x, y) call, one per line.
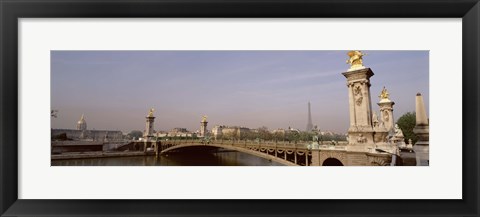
point(332, 162)
point(233, 148)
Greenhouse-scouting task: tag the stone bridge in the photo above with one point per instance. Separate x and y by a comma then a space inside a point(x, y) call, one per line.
point(299, 154)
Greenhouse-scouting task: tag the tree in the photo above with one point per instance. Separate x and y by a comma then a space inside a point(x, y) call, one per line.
point(253, 135)
point(406, 123)
point(194, 136)
point(135, 134)
point(264, 133)
point(279, 135)
point(292, 136)
point(230, 134)
point(339, 137)
point(247, 135)
point(306, 136)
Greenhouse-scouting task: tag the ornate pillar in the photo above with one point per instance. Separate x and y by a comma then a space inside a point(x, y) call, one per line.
point(203, 126)
point(315, 157)
point(148, 134)
point(360, 132)
point(386, 110)
point(422, 130)
point(359, 98)
point(361, 127)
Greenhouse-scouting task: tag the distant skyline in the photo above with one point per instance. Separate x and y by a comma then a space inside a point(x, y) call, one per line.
point(115, 89)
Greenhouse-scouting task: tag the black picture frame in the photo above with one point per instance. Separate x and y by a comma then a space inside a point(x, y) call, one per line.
point(12, 10)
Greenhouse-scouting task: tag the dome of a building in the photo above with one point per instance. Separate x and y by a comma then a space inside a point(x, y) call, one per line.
point(82, 124)
point(82, 120)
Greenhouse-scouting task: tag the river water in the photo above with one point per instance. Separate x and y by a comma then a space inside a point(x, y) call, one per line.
point(211, 158)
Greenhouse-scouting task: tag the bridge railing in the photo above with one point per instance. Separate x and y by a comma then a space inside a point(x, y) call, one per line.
point(241, 143)
point(262, 144)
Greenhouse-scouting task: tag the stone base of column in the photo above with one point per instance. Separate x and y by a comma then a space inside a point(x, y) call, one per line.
point(421, 148)
point(422, 153)
point(315, 158)
point(361, 139)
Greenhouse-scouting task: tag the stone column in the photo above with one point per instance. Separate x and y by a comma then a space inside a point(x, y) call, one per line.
point(309, 123)
point(203, 128)
point(315, 157)
point(422, 130)
point(351, 108)
point(386, 113)
point(148, 134)
point(360, 132)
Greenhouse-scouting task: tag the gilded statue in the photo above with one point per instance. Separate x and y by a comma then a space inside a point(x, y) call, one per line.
point(355, 59)
point(384, 94)
point(204, 118)
point(150, 113)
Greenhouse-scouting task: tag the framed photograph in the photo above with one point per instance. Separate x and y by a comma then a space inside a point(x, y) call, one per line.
point(253, 99)
point(178, 108)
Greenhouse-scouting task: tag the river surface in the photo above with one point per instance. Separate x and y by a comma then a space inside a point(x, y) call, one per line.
point(214, 158)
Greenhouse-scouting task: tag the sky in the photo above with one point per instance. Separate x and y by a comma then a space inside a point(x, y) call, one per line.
point(115, 89)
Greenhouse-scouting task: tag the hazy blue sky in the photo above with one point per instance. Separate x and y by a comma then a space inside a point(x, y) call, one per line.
point(115, 89)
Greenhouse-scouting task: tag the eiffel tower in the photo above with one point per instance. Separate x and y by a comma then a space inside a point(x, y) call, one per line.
point(309, 124)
